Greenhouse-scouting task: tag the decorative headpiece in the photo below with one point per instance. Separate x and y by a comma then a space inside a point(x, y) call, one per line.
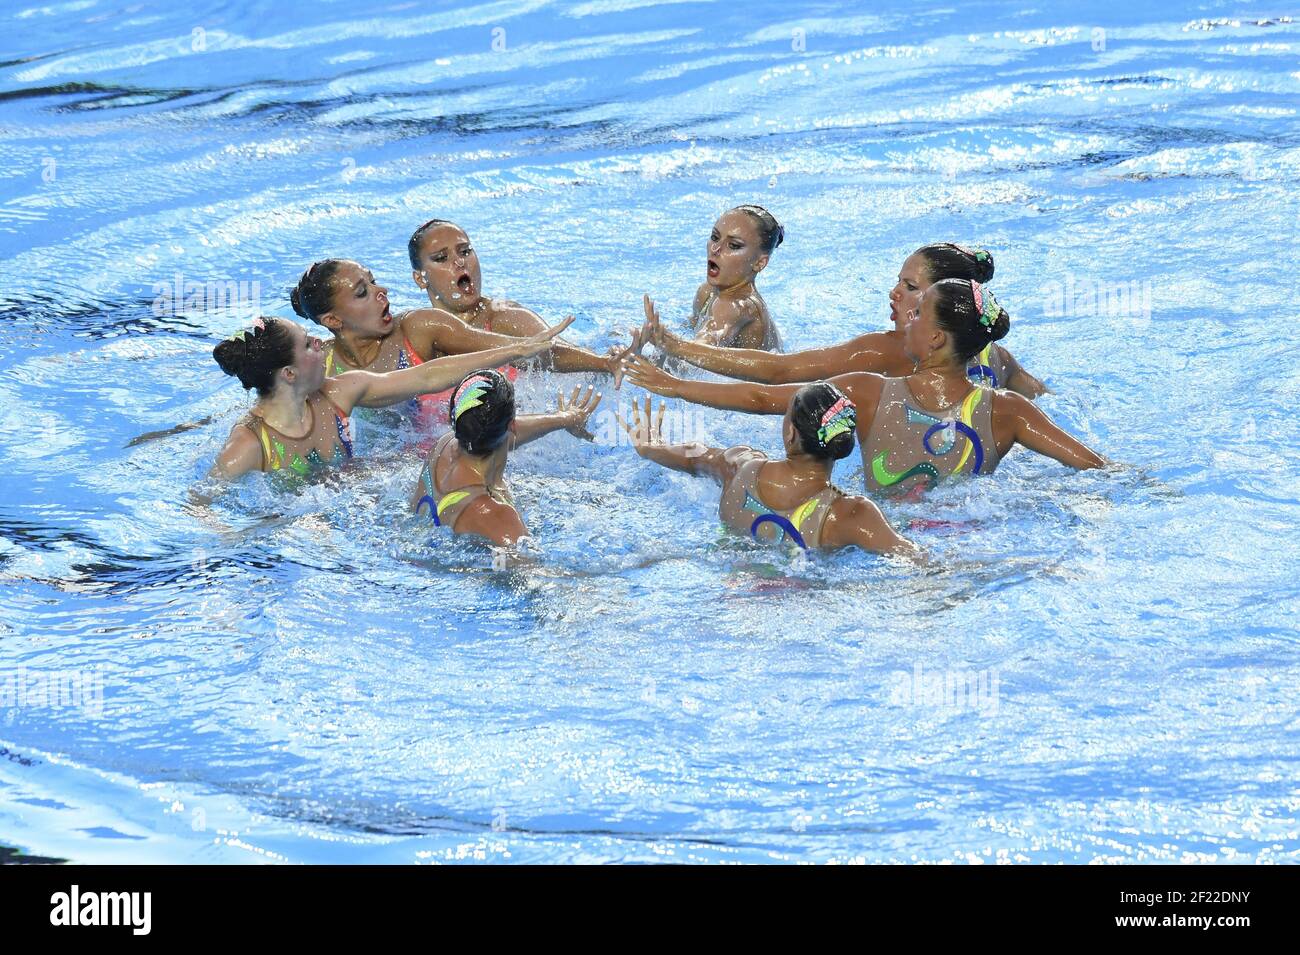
point(839, 418)
point(985, 304)
point(469, 395)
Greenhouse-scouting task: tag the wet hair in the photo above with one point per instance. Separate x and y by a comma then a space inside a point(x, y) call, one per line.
point(825, 420)
point(254, 356)
point(413, 244)
point(482, 408)
point(969, 313)
point(947, 260)
point(313, 296)
point(770, 232)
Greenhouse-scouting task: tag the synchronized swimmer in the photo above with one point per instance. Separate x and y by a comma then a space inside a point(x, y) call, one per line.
point(920, 429)
point(728, 310)
point(462, 483)
point(933, 398)
point(300, 423)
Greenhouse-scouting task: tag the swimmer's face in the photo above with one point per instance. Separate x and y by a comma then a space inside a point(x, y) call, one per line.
point(922, 335)
point(360, 304)
point(308, 368)
point(913, 279)
point(449, 269)
point(734, 252)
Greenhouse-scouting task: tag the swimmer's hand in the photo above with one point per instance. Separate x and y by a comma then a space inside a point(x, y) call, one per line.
point(647, 436)
point(577, 410)
point(645, 432)
point(542, 341)
point(614, 361)
point(653, 331)
point(646, 375)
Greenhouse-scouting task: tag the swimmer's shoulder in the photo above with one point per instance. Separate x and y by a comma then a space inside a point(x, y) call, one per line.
point(493, 519)
point(701, 296)
point(730, 461)
point(863, 388)
point(511, 318)
point(1008, 403)
point(741, 453)
point(242, 451)
point(851, 519)
point(417, 320)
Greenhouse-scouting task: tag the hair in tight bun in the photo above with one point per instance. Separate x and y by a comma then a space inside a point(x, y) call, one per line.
point(255, 355)
point(825, 420)
point(482, 410)
point(770, 232)
point(313, 296)
point(947, 260)
point(969, 313)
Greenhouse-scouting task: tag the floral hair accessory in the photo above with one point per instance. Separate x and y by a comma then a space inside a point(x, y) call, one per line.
point(839, 418)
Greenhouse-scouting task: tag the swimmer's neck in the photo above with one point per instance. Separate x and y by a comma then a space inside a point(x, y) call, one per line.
point(360, 351)
point(940, 378)
point(287, 411)
point(487, 467)
point(468, 315)
point(742, 289)
point(804, 473)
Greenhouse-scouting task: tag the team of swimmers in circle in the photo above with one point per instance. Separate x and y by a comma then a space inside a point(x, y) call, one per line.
point(932, 398)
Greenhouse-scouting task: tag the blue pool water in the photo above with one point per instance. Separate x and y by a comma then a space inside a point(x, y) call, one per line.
point(1102, 667)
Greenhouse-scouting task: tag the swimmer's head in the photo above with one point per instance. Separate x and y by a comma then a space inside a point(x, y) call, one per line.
point(445, 266)
point(947, 260)
point(270, 354)
point(821, 421)
point(933, 263)
point(959, 315)
point(740, 245)
point(770, 232)
point(483, 411)
point(343, 296)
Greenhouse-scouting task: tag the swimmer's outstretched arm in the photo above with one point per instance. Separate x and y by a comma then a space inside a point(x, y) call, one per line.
point(370, 390)
point(570, 416)
point(1037, 432)
point(694, 458)
point(865, 353)
point(731, 396)
point(434, 329)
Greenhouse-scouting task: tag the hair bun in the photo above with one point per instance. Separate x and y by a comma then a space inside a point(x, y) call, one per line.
point(840, 446)
point(295, 299)
point(948, 260)
point(233, 357)
point(1001, 325)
